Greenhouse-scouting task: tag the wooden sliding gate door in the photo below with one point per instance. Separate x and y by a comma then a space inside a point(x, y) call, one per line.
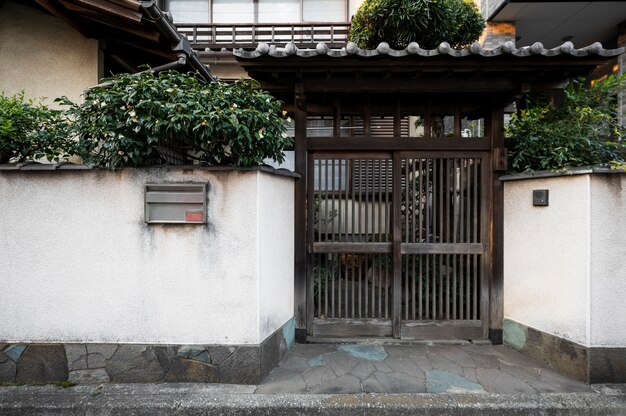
point(398, 244)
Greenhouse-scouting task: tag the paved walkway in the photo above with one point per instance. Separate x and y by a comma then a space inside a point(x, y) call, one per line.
point(365, 368)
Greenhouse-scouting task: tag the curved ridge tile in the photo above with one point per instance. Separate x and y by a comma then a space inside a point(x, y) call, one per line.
point(413, 49)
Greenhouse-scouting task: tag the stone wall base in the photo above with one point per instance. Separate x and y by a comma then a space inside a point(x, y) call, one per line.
point(134, 363)
point(588, 364)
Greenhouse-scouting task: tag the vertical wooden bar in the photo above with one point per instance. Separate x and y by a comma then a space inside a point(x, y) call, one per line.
point(420, 288)
point(475, 237)
point(468, 210)
point(455, 211)
point(337, 119)
point(310, 238)
point(397, 120)
point(442, 229)
point(304, 319)
point(380, 234)
point(457, 118)
point(367, 118)
point(388, 226)
point(460, 236)
point(396, 244)
point(449, 213)
point(427, 119)
point(368, 184)
point(496, 303)
point(415, 203)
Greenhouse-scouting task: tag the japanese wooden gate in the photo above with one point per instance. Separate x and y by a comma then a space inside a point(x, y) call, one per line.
point(398, 224)
point(398, 216)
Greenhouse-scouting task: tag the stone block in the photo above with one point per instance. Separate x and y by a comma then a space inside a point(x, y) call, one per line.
point(218, 353)
point(98, 354)
point(8, 369)
point(92, 376)
point(270, 353)
point(41, 364)
point(134, 364)
point(194, 352)
point(165, 355)
point(242, 367)
point(76, 356)
point(14, 352)
point(190, 371)
point(607, 365)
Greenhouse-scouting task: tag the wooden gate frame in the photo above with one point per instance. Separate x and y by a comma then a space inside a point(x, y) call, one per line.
point(493, 146)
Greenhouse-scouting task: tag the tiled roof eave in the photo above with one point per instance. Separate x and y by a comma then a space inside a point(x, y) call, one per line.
point(413, 49)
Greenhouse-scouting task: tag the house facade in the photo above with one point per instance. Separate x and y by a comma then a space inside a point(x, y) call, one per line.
point(395, 228)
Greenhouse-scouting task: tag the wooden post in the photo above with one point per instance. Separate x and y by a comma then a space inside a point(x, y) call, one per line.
point(300, 284)
point(496, 283)
point(396, 256)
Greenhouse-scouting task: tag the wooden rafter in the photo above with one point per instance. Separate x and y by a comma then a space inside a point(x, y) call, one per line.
point(129, 4)
point(59, 12)
point(111, 9)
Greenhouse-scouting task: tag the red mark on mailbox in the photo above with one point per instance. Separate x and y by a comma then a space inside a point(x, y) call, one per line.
point(194, 216)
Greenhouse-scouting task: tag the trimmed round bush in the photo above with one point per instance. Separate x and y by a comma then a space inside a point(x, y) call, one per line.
point(427, 22)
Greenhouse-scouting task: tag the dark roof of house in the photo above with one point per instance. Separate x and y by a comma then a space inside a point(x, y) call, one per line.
point(136, 32)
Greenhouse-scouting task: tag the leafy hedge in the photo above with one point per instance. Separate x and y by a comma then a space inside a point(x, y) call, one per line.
point(582, 131)
point(138, 119)
point(31, 130)
point(427, 22)
point(130, 118)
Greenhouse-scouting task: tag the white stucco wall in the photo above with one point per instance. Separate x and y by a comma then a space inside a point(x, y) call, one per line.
point(608, 261)
point(79, 264)
point(276, 252)
point(546, 260)
point(44, 56)
point(565, 264)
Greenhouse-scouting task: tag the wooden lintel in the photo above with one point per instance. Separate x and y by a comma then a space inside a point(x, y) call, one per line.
point(58, 12)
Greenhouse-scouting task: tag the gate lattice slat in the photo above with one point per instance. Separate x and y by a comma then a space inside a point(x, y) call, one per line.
point(432, 280)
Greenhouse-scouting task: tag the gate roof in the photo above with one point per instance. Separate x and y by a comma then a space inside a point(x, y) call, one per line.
point(469, 74)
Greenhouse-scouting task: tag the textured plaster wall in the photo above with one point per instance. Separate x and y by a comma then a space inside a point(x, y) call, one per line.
point(565, 265)
point(546, 256)
point(78, 263)
point(608, 260)
point(276, 252)
point(44, 56)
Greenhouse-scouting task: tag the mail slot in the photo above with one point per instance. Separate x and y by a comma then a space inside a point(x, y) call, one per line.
point(176, 203)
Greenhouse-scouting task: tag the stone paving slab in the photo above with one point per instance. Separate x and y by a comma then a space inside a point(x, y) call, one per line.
point(373, 368)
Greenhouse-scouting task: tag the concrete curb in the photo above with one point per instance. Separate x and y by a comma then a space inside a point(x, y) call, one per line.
point(167, 399)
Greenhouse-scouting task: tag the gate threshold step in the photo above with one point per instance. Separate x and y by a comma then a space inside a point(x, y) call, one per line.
point(394, 341)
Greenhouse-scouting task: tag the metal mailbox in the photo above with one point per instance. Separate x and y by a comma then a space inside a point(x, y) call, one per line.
point(175, 203)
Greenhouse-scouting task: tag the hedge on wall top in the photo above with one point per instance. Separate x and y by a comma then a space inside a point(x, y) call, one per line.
point(130, 119)
point(427, 22)
point(31, 130)
point(584, 130)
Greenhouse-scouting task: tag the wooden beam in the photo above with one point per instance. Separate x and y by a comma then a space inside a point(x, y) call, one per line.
point(60, 13)
point(129, 4)
point(111, 9)
point(361, 144)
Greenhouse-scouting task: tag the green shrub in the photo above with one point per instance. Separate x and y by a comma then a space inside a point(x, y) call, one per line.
point(30, 130)
point(130, 119)
point(583, 131)
point(427, 22)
